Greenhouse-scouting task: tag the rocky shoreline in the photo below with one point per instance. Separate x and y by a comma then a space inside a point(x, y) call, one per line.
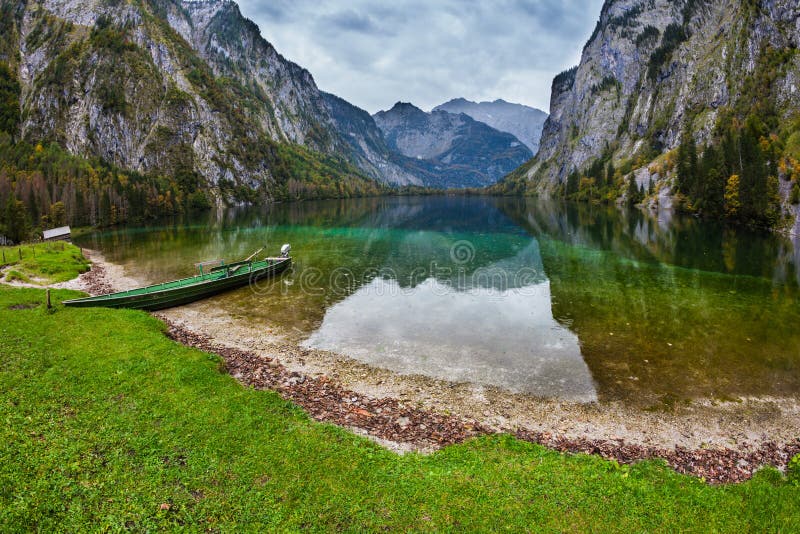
point(392, 420)
point(405, 424)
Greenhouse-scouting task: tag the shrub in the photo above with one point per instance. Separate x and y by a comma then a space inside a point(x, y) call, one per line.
point(649, 35)
point(793, 471)
point(674, 36)
point(565, 80)
point(16, 276)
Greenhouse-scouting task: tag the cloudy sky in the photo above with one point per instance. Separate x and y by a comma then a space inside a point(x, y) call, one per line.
point(427, 52)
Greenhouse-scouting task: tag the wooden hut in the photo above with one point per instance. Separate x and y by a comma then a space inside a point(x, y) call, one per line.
point(57, 234)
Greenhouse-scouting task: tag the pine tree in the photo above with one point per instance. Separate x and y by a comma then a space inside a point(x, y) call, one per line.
point(633, 191)
point(16, 220)
point(610, 174)
point(572, 183)
point(58, 214)
point(753, 180)
point(714, 198)
point(694, 179)
point(687, 165)
point(710, 189)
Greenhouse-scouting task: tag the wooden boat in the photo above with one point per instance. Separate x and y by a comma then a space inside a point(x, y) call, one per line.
point(220, 278)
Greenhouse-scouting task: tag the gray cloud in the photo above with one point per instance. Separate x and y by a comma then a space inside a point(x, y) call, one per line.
point(349, 21)
point(427, 52)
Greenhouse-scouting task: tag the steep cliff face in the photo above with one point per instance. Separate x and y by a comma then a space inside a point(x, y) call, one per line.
point(452, 150)
point(169, 86)
point(523, 122)
point(369, 147)
point(295, 109)
point(655, 68)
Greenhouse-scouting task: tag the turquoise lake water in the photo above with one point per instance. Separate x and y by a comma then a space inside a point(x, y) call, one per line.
point(570, 301)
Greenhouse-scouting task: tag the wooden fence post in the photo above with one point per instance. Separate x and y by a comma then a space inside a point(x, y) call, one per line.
point(20, 253)
point(47, 295)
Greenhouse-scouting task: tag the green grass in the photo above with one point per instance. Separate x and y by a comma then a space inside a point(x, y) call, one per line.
point(45, 263)
point(16, 276)
point(104, 419)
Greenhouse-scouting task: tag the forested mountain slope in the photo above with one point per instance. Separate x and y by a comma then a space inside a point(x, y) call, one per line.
point(184, 100)
point(659, 82)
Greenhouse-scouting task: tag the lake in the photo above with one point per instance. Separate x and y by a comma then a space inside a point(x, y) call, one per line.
point(559, 300)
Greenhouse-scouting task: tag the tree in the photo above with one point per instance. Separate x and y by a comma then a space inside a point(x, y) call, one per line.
point(753, 180)
point(687, 164)
point(714, 198)
point(711, 186)
point(16, 219)
point(9, 101)
point(105, 209)
point(58, 214)
point(732, 199)
point(572, 183)
point(634, 193)
point(610, 174)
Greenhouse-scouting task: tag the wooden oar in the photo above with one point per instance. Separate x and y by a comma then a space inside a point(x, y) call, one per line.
point(237, 264)
point(256, 253)
point(240, 264)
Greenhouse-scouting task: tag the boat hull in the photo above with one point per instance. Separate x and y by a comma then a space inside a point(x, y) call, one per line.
point(169, 297)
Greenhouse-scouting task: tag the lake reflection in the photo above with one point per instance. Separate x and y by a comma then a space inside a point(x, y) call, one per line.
point(565, 300)
point(486, 329)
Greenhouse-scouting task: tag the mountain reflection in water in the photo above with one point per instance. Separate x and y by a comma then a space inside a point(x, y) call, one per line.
point(484, 328)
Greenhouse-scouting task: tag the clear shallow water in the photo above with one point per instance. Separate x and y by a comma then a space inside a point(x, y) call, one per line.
point(559, 300)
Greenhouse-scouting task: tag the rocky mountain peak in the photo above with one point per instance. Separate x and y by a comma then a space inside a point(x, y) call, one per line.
point(521, 121)
point(452, 149)
point(403, 108)
point(203, 11)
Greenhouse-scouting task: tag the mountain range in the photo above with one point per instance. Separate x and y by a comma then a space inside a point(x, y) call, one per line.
point(451, 150)
point(191, 88)
point(524, 122)
point(689, 103)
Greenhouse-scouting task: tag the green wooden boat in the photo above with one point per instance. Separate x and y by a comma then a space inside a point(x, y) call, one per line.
point(221, 277)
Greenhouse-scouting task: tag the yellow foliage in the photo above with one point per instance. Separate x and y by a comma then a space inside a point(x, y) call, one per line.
point(670, 158)
point(732, 202)
point(783, 166)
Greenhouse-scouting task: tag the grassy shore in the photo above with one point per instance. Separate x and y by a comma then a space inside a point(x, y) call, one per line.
point(107, 424)
point(42, 263)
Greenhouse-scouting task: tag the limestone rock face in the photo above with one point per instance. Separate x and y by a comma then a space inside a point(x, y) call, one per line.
point(450, 150)
point(233, 47)
point(168, 85)
point(370, 148)
point(523, 122)
point(654, 66)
